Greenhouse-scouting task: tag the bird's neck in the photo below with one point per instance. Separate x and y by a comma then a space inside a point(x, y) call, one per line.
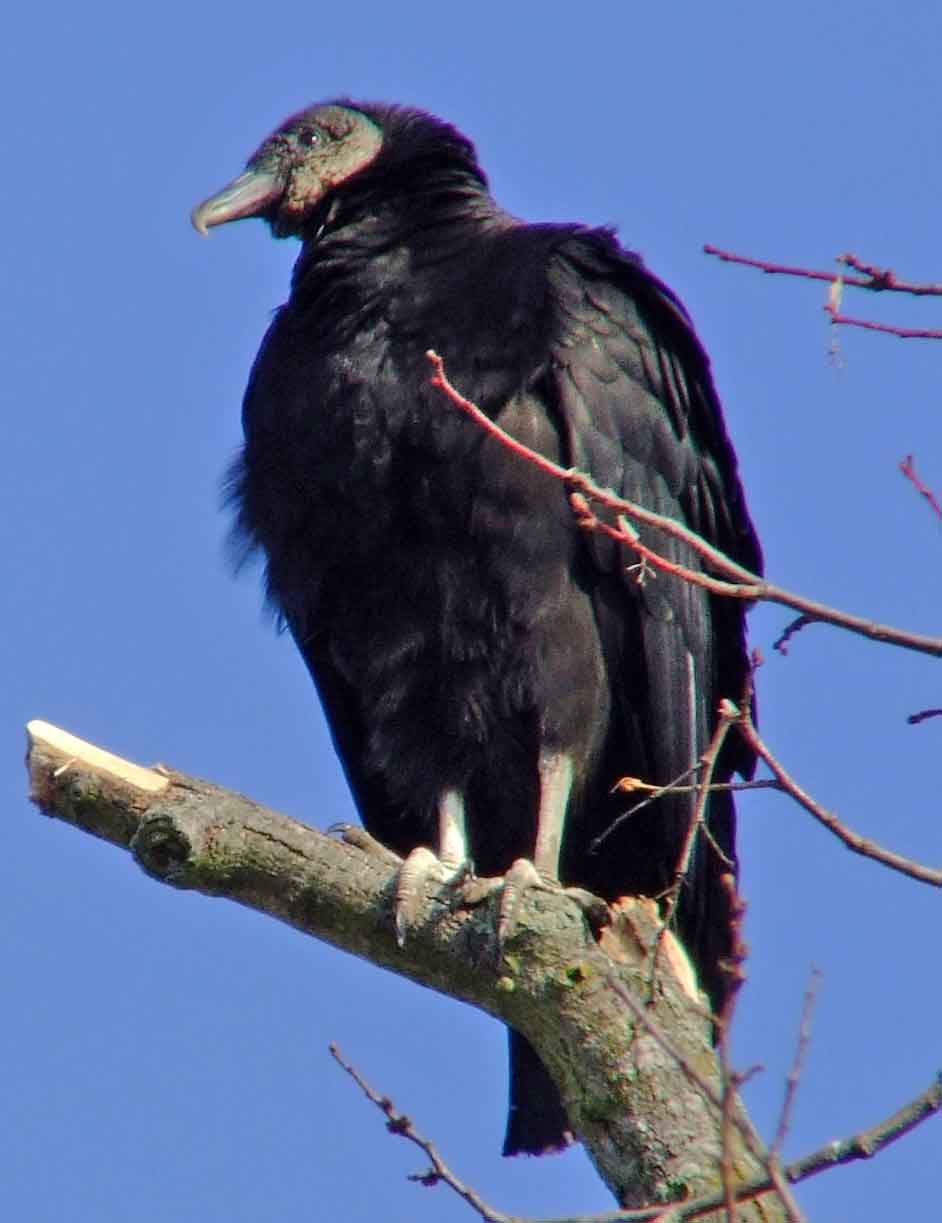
point(415, 213)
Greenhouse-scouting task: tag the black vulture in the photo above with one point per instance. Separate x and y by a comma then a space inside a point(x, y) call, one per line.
point(488, 670)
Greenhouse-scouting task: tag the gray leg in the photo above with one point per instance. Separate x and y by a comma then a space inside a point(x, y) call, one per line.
point(555, 788)
point(452, 830)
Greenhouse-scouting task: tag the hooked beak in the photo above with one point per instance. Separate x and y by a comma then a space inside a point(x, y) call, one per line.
point(249, 195)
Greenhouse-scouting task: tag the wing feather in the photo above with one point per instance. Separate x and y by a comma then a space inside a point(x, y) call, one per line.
point(638, 411)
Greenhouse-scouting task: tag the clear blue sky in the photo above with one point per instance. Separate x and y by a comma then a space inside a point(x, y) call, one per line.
point(164, 1055)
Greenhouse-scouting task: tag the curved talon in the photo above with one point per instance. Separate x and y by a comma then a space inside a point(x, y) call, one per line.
point(522, 876)
point(420, 868)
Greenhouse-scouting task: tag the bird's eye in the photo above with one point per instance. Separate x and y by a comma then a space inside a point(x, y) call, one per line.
point(312, 136)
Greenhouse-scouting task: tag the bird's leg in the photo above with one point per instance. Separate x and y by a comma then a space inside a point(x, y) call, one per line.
point(556, 775)
point(555, 786)
point(449, 865)
point(452, 831)
point(555, 789)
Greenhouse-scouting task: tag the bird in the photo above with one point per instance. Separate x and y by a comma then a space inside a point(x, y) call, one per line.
point(490, 670)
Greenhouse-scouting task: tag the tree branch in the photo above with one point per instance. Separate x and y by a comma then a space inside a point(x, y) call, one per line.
point(853, 840)
point(863, 1145)
point(743, 584)
point(652, 1132)
point(875, 279)
point(908, 468)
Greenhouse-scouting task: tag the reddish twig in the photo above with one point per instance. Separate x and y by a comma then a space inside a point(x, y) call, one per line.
point(853, 840)
point(779, 1178)
point(902, 333)
point(878, 278)
point(696, 826)
point(677, 786)
point(744, 584)
point(907, 467)
point(874, 279)
point(728, 714)
point(783, 781)
point(631, 784)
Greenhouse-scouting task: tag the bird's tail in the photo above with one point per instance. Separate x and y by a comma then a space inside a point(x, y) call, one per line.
point(536, 1122)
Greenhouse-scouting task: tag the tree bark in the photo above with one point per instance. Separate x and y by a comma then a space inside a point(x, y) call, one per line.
point(651, 1129)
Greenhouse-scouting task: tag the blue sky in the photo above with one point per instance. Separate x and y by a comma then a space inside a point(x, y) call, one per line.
point(164, 1055)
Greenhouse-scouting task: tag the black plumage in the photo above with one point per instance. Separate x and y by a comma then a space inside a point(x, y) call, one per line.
point(488, 670)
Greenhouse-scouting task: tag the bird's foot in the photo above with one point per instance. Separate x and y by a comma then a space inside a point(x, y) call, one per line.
point(522, 877)
point(420, 869)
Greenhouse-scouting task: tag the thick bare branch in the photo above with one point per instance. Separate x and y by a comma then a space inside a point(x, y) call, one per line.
point(650, 1129)
point(644, 1095)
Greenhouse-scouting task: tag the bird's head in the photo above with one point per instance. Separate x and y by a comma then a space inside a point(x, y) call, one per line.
point(319, 152)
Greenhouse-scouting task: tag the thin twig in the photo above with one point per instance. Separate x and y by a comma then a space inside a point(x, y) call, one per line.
point(399, 1123)
point(783, 782)
point(732, 966)
point(908, 468)
point(696, 825)
point(631, 785)
point(874, 279)
point(902, 333)
point(867, 1143)
point(744, 584)
point(674, 786)
point(853, 840)
point(728, 714)
point(863, 1145)
point(779, 1179)
point(795, 626)
point(794, 1074)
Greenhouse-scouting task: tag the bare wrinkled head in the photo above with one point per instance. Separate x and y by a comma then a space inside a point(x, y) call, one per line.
point(310, 155)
